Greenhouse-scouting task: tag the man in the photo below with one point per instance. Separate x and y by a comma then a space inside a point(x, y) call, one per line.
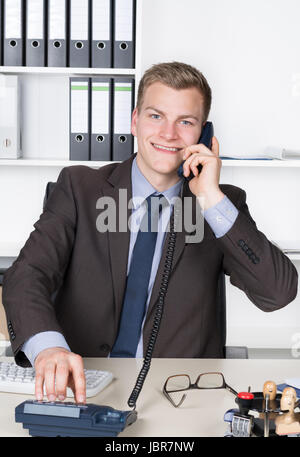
point(86, 268)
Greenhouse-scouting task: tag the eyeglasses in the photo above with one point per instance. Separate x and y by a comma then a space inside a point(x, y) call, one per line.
point(181, 382)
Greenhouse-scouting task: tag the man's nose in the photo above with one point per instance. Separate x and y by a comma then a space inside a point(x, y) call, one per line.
point(169, 131)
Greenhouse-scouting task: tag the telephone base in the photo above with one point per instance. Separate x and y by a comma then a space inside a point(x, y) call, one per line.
point(71, 419)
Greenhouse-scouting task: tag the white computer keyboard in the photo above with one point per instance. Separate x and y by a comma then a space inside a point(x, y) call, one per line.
point(22, 380)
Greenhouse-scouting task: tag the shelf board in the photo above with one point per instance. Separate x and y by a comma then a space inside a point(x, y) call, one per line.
point(10, 249)
point(69, 71)
point(28, 162)
point(50, 163)
point(261, 163)
point(293, 257)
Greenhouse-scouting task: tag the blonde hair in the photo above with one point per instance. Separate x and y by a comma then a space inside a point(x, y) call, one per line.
point(177, 75)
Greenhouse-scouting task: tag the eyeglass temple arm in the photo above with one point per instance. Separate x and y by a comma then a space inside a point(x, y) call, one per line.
point(171, 400)
point(234, 392)
point(182, 400)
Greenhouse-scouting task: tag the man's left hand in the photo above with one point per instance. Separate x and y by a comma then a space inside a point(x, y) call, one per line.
point(205, 184)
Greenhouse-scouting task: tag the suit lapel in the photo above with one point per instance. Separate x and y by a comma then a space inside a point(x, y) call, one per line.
point(119, 188)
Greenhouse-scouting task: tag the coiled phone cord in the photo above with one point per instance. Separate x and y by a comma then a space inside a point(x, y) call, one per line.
point(158, 313)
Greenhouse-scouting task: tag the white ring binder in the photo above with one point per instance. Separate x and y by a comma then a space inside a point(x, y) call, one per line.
point(10, 133)
point(124, 33)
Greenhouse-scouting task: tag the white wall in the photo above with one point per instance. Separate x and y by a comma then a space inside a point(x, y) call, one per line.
point(249, 51)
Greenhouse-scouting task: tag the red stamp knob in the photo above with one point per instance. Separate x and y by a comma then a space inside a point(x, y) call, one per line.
point(246, 395)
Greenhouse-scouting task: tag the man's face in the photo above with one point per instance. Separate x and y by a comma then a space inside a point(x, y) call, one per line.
point(167, 122)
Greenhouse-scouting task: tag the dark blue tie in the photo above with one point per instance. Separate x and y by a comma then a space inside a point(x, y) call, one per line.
point(136, 293)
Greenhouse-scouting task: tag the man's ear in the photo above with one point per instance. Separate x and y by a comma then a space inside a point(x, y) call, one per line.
point(134, 121)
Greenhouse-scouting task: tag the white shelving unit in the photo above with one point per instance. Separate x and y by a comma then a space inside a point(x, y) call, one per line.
point(66, 71)
point(44, 162)
point(58, 163)
point(294, 257)
point(261, 163)
point(45, 105)
point(45, 141)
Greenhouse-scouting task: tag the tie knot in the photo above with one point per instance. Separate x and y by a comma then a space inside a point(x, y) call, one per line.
point(154, 196)
point(154, 205)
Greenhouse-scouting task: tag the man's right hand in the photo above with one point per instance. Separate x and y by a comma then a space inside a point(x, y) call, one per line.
point(58, 369)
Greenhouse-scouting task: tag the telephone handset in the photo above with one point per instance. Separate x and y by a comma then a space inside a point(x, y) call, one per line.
point(206, 139)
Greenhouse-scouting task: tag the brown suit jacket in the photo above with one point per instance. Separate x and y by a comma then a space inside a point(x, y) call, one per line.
point(86, 270)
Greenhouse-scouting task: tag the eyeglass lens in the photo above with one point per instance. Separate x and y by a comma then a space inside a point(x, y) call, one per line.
point(180, 382)
point(210, 381)
point(205, 381)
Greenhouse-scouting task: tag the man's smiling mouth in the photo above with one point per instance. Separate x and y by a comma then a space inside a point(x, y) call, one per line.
point(165, 148)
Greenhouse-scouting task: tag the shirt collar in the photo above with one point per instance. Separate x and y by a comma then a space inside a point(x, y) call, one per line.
point(141, 187)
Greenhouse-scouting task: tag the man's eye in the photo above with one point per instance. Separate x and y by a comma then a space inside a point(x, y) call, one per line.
point(186, 122)
point(155, 116)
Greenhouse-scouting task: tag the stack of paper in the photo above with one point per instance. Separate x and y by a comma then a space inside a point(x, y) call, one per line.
point(282, 154)
point(294, 382)
point(270, 153)
point(246, 157)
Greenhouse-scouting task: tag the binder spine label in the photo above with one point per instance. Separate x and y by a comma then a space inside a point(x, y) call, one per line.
point(79, 101)
point(100, 98)
point(80, 20)
point(122, 116)
point(13, 20)
point(35, 19)
point(101, 20)
point(124, 18)
point(57, 21)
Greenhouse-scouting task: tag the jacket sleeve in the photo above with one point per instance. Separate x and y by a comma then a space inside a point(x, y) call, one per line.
point(254, 264)
point(29, 284)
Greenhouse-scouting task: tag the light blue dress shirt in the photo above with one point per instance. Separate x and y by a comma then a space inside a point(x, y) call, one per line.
point(220, 217)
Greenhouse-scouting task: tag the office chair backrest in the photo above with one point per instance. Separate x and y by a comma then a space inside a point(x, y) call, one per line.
point(49, 189)
point(221, 309)
point(230, 352)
